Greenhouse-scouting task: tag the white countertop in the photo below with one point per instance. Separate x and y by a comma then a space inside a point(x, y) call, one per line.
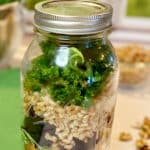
point(129, 111)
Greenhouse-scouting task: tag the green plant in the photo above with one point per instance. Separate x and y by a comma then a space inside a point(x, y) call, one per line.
point(82, 79)
point(31, 3)
point(7, 1)
point(138, 8)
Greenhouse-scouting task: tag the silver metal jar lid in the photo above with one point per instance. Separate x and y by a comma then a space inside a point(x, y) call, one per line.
point(72, 17)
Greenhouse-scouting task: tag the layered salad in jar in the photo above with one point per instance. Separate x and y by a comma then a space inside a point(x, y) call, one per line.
point(69, 96)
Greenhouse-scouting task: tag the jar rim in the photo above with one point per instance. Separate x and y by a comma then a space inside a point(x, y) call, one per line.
point(64, 17)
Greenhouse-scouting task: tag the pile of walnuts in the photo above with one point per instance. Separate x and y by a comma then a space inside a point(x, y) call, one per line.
point(134, 64)
point(144, 135)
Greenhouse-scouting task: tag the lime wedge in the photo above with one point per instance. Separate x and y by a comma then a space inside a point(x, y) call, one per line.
point(76, 56)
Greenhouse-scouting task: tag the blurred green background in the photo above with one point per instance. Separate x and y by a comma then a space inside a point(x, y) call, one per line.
point(10, 110)
point(138, 8)
point(7, 1)
point(30, 3)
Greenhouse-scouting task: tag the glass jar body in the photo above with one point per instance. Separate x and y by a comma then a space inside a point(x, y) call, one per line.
point(69, 86)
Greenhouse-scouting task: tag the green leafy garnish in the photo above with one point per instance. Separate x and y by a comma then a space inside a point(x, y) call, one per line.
point(78, 82)
point(28, 139)
point(7, 1)
point(76, 56)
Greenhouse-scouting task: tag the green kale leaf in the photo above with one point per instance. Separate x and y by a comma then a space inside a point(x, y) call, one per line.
point(78, 82)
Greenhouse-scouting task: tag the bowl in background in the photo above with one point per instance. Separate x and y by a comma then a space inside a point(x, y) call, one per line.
point(134, 61)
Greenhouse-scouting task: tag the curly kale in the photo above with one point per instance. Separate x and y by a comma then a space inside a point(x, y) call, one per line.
point(48, 48)
point(77, 83)
point(40, 74)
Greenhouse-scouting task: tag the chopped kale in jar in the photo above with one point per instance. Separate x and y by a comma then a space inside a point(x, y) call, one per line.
point(72, 75)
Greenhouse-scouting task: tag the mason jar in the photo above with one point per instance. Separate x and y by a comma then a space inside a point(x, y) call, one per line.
point(69, 77)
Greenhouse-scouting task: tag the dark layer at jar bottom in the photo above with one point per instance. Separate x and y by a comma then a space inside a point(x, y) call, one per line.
point(38, 131)
point(51, 127)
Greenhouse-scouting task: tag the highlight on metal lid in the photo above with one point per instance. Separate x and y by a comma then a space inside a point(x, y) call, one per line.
point(73, 17)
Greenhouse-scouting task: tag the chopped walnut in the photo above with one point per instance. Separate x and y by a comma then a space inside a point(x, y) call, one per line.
point(133, 64)
point(125, 136)
point(134, 53)
point(147, 121)
point(144, 134)
point(73, 124)
point(146, 127)
point(141, 144)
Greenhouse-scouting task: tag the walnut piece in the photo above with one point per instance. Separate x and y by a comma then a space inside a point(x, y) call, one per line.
point(125, 136)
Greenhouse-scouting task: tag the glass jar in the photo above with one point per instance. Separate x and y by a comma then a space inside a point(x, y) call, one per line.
point(69, 77)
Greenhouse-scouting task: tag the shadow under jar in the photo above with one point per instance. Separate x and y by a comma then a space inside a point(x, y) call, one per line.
point(69, 78)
